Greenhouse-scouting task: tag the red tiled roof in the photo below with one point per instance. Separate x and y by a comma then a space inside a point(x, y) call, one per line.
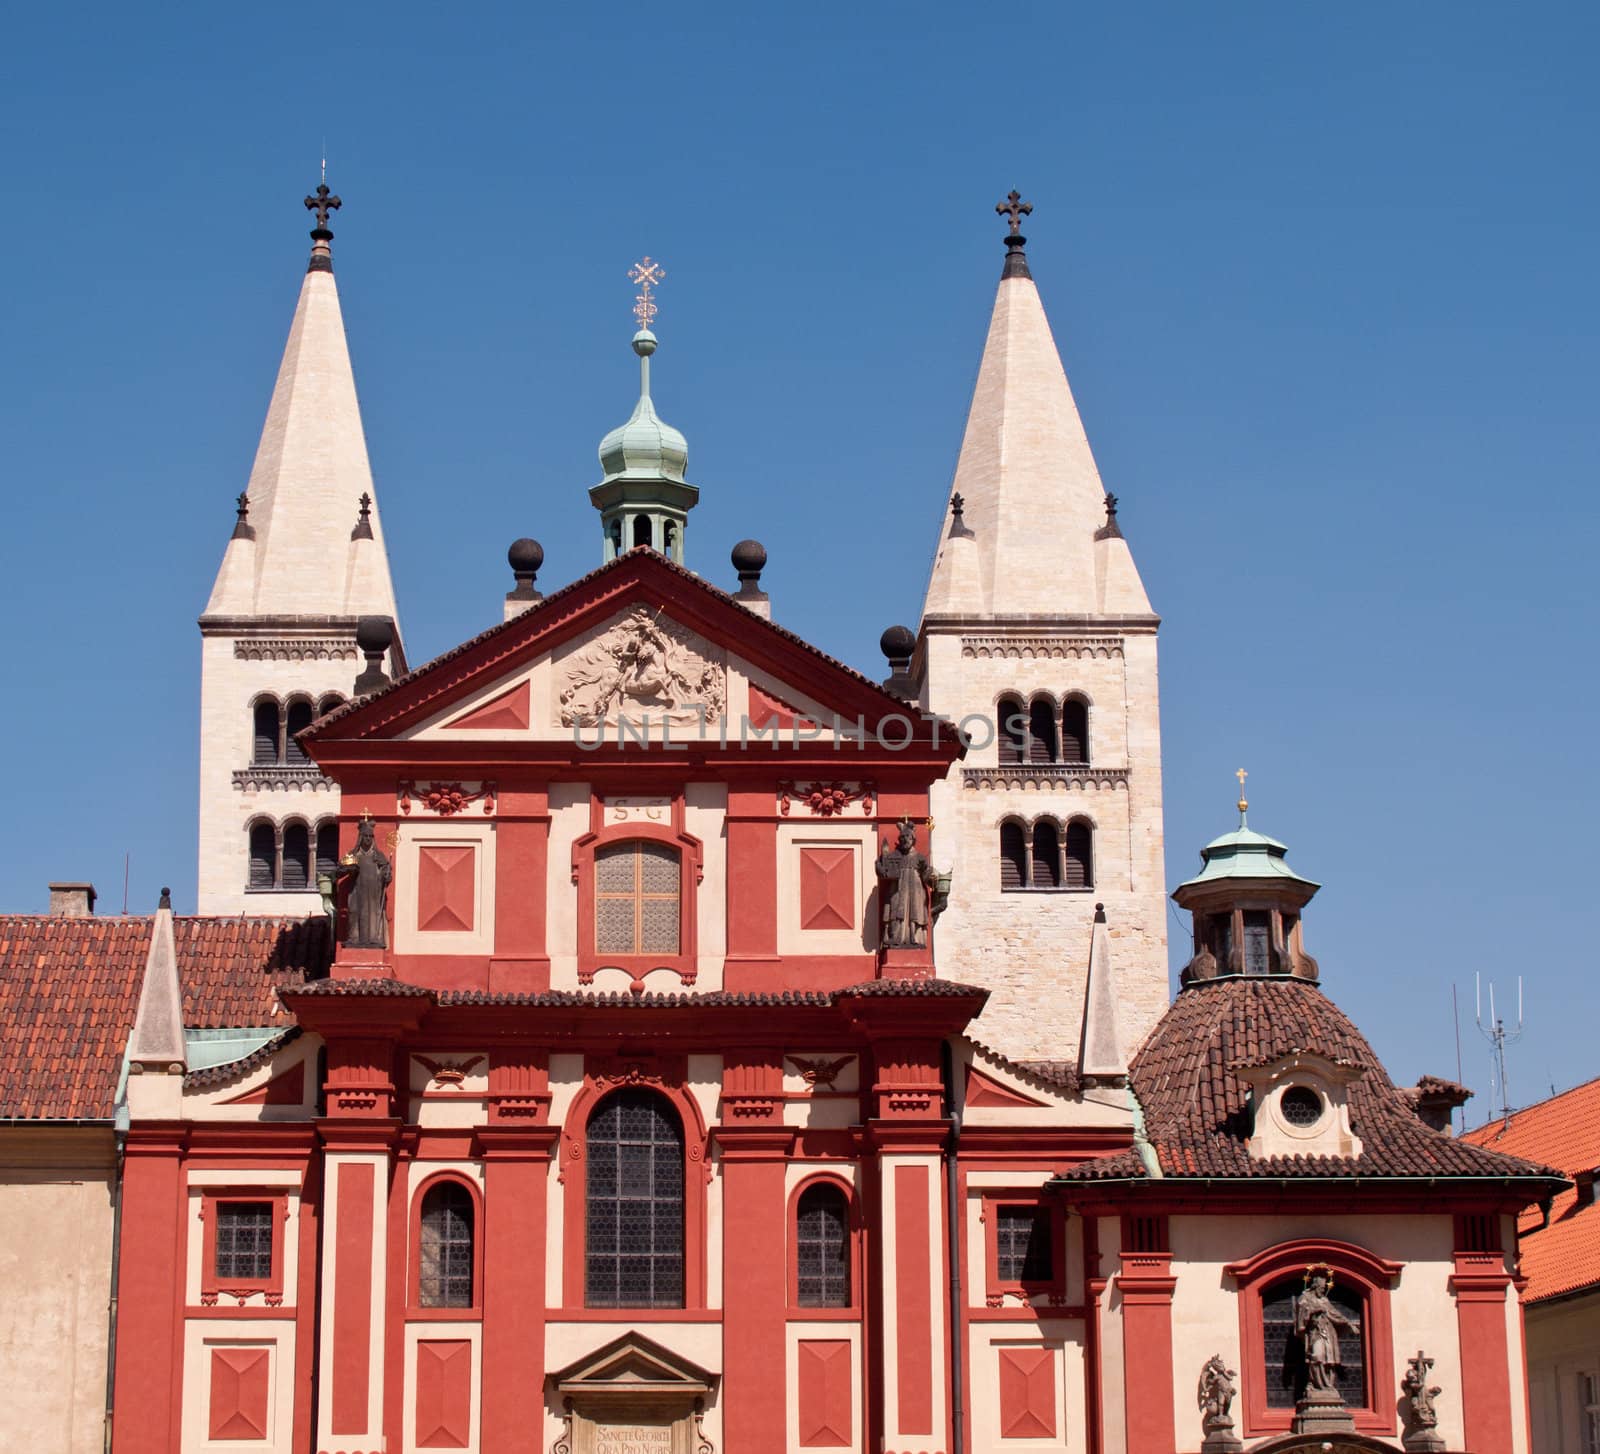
point(1564, 1131)
point(1194, 1101)
point(69, 989)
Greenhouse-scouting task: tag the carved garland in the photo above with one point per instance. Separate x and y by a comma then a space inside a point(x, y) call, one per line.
point(825, 800)
point(446, 799)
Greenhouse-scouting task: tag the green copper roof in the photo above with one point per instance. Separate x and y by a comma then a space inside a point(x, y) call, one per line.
point(646, 447)
point(1244, 853)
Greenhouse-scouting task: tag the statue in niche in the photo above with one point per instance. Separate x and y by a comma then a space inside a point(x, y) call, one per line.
point(1215, 1397)
point(642, 667)
point(1317, 1321)
point(906, 876)
point(368, 868)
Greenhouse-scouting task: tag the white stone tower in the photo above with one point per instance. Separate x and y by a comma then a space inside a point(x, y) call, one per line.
point(278, 636)
point(1035, 620)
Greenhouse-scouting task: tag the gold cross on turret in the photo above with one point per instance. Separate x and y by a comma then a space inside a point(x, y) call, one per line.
point(646, 276)
point(1242, 775)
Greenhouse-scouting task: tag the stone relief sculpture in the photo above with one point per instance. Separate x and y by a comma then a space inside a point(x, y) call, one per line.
point(907, 876)
point(643, 668)
point(369, 869)
point(1421, 1417)
point(1215, 1396)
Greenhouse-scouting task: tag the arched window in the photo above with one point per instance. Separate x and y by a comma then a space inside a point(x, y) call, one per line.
point(296, 856)
point(616, 537)
point(637, 885)
point(1042, 743)
point(1013, 731)
point(634, 1203)
point(327, 847)
point(1075, 730)
point(822, 1247)
point(267, 733)
point(299, 718)
point(641, 530)
point(669, 536)
point(1013, 857)
point(263, 856)
point(1285, 1353)
point(444, 1265)
point(329, 703)
point(1046, 856)
point(1080, 855)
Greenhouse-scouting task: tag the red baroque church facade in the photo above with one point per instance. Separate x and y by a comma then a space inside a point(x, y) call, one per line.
point(647, 1103)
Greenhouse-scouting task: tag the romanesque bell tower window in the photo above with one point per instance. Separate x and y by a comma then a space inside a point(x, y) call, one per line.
point(636, 900)
point(635, 1194)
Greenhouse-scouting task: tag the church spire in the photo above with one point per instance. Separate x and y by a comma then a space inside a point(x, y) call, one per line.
point(311, 472)
point(644, 498)
point(1032, 494)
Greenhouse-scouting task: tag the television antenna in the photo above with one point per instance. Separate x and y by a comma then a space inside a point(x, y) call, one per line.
point(1499, 1036)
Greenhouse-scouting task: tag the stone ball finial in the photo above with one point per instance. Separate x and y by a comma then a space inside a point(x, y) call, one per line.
point(749, 558)
point(166, 899)
point(374, 634)
point(897, 644)
point(644, 343)
point(525, 555)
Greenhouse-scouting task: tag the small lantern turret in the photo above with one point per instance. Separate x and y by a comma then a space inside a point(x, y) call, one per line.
point(1246, 902)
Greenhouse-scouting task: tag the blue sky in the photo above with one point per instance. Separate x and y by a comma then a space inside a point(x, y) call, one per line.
point(1323, 279)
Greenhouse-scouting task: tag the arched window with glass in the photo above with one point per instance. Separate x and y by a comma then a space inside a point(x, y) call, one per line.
point(446, 1246)
point(822, 1247)
point(634, 1203)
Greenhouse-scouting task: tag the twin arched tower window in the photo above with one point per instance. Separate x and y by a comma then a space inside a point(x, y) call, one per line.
point(274, 725)
point(1046, 856)
point(291, 856)
point(1044, 731)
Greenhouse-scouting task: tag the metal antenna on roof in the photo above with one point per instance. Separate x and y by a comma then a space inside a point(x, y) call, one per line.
point(1499, 1037)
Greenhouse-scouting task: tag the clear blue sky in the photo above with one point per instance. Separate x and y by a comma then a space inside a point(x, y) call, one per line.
point(1323, 277)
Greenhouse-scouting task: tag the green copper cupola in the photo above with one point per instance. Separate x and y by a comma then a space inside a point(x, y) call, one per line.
point(644, 498)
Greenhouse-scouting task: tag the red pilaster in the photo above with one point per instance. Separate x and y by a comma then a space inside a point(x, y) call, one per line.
point(754, 1147)
point(1147, 1285)
point(149, 1292)
point(1480, 1285)
point(516, 1171)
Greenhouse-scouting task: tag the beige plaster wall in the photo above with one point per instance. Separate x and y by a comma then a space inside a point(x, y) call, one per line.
point(1563, 1341)
point(56, 1190)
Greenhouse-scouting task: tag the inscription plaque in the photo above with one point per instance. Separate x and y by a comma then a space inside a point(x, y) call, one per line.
point(633, 1439)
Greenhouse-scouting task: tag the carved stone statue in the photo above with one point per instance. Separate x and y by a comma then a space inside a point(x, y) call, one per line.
point(1423, 1420)
point(906, 877)
point(1215, 1397)
point(642, 668)
point(1317, 1320)
point(369, 869)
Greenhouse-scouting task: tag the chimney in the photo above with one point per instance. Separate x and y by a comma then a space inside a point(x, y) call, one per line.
point(71, 900)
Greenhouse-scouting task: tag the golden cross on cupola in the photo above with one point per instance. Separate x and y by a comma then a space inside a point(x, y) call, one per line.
point(1014, 208)
point(646, 276)
point(322, 204)
point(1242, 775)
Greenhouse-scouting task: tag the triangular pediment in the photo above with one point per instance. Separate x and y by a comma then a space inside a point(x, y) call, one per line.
point(634, 1364)
point(640, 650)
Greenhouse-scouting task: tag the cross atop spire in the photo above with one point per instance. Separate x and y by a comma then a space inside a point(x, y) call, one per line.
point(646, 276)
point(1015, 209)
point(322, 203)
point(1243, 805)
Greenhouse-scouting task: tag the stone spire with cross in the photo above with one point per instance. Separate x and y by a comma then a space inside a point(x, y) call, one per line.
point(278, 632)
point(1035, 612)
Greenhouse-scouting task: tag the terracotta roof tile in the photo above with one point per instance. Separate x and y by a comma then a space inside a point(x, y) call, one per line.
point(1565, 1132)
point(1194, 1102)
point(69, 989)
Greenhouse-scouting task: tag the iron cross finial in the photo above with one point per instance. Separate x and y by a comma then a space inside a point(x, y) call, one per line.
point(646, 276)
point(1014, 208)
point(243, 503)
point(322, 204)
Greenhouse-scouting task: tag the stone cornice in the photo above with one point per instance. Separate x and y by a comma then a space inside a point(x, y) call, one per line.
point(1052, 647)
point(271, 776)
point(1049, 777)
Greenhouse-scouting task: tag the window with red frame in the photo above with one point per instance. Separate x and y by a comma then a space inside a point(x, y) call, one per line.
point(637, 891)
point(444, 1272)
point(242, 1252)
point(822, 1247)
point(1284, 1351)
point(1022, 1244)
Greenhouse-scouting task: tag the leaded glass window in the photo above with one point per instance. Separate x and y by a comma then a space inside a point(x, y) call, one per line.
point(1285, 1354)
point(244, 1241)
point(634, 1253)
point(822, 1247)
point(1022, 1244)
point(444, 1272)
point(636, 892)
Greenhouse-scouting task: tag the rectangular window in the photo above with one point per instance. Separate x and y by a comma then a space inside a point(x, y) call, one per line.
point(1257, 942)
point(1022, 1245)
point(636, 902)
point(1589, 1416)
point(244, 1241)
